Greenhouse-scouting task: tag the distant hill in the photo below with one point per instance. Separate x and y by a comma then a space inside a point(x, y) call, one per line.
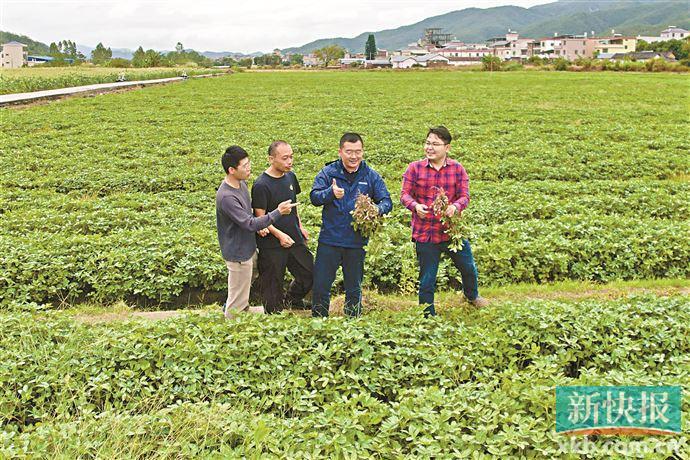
point(632, 17)
point(34, 47)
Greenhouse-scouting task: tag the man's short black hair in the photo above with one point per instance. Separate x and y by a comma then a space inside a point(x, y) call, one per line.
point(274, 146)
point(442, 133)
point(232, 157)
point(351, 138)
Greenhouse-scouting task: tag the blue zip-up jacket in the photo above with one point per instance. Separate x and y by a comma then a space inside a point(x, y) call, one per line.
point(336, 220)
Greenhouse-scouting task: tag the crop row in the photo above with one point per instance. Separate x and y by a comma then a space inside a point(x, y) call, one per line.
point(171, 138)
point(492, 203)
point(13, 83)
point(158, 263)
point(97, 169)
point(387, 384)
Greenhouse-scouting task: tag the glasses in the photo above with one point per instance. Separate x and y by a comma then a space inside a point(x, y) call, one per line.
point(245, 166)
point(433, 144)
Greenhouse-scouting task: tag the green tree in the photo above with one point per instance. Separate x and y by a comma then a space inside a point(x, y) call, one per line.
point(267, 60)
point(139, 58)
point(226, 60)
point(101, 54)
point(679, 48)
point(54, 51)
point(68, 48)
point(246, 62)
point(296, 59)
point(330, 54)
point(153, 58)
point(370, 50)
point(490, 62)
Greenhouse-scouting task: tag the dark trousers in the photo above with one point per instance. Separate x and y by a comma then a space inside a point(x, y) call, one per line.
point(328, 259)
point(429, 257)
point(272, 264)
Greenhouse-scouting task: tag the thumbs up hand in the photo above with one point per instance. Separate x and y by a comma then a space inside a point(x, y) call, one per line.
point(337, 191)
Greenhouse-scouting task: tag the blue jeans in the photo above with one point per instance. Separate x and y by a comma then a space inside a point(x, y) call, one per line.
point(429, 256)
point(328, 259)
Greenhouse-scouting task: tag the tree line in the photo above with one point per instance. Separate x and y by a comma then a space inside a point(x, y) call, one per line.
point(65, 53)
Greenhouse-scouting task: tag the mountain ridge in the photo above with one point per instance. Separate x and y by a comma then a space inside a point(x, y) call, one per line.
point(563, 16)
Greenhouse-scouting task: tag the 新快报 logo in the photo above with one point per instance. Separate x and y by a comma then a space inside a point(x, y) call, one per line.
point(583, 410)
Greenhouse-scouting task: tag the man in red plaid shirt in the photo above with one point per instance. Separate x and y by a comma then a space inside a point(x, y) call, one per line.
point(421, 183)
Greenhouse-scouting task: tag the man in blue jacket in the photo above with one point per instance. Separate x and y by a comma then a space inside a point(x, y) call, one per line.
point(336, 188)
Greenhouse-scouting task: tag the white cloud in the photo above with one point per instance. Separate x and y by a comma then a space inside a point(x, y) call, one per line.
point(243, 26)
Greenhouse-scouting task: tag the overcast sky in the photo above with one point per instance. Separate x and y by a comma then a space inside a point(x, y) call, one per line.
point(243, 26)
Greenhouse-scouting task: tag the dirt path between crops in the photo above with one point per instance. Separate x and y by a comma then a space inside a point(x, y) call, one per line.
point(381, 302)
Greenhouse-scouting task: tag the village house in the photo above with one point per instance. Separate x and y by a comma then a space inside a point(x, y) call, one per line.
point(464, 52)
point(348, 62)
point(310, 60)
point(511, 46)
point(464, 61)
point(377, 64)
point(13, 55)
point(403, 62)
point(615, 44)
point(432, 60)
point(639, 56)
point(577, 47)
point(674, 33)
point(550, 47)
point(413, 50)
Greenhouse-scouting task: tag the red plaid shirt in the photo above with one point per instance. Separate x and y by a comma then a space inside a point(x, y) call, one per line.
point(421, 183)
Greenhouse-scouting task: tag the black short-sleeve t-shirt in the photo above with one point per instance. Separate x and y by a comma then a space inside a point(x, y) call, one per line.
point(267, 193)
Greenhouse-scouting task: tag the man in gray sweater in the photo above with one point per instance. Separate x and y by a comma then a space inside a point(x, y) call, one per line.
point(236, 227)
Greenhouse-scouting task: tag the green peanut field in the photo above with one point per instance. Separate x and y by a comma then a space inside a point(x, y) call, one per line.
point(107, 205)
point(30, 79)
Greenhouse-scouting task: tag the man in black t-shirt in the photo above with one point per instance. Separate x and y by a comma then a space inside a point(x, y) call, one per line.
point(282, 245)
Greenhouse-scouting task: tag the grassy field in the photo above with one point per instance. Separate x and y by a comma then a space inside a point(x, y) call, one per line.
point(42, 78)
point(580, 187)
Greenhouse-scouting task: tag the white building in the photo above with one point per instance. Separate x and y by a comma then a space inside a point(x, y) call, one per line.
point(465, 52)
point(464, 61)
point(310, 60)
point(649, 39)
point(519, 48)
point(433, 59)
point(511, 46)
point(674, 33)
point(414, 50)
point(403, 62)
point(13, 55)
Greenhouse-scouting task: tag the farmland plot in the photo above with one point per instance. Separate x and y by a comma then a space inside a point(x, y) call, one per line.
point(578, 177)
point(573, 176)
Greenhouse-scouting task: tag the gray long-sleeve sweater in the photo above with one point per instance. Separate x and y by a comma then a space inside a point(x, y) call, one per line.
point(236, 223)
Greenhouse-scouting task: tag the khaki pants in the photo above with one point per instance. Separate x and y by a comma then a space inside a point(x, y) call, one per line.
point(240, 275)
